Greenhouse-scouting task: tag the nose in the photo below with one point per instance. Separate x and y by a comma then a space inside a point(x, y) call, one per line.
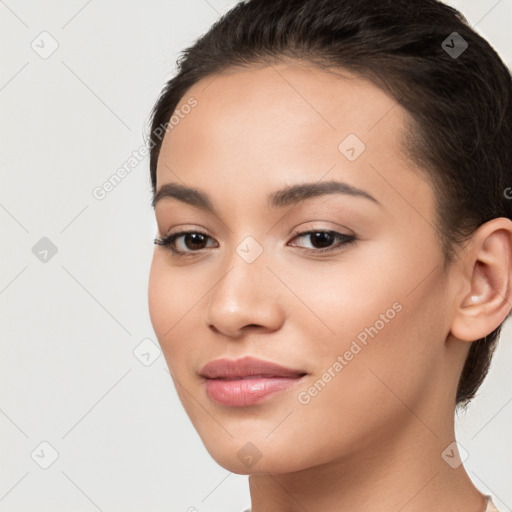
point(246, 297)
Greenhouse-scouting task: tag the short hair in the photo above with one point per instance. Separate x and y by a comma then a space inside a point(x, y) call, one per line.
point(453, 84)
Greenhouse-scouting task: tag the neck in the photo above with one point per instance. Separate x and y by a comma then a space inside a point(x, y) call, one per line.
point(396, 472)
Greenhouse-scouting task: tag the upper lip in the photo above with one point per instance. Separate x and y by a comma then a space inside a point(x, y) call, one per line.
point(245, 367)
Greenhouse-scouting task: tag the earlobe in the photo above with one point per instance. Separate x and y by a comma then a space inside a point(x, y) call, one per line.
point(487, 273)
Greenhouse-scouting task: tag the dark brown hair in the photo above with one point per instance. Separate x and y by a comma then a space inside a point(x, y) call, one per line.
point(453, 84)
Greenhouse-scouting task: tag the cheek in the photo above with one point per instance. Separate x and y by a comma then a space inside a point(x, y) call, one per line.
point(337, 300)
point(176, 303)
point(377, 319)
point(376, 289)
point(352, 397)
point(157, 300)
point(168, 301)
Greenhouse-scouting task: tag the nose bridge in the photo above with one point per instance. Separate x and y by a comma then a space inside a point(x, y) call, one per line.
point(244, 277)
point(244, 295)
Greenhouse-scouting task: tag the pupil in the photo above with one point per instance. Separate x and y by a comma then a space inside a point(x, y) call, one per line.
point(196, 238)
point(323, 237)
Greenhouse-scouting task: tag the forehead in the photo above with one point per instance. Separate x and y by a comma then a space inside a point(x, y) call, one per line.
point(304, 99)
point(286, 122)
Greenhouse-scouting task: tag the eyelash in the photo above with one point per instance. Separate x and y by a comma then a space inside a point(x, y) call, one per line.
point(168, 241)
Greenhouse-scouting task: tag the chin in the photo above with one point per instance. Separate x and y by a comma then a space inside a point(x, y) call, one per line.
point(243, 457)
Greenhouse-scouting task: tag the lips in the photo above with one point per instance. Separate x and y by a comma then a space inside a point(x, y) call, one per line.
point(247, 381)
point(246, 367)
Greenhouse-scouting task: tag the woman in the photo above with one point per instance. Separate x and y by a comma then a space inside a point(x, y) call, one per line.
point(333, 260)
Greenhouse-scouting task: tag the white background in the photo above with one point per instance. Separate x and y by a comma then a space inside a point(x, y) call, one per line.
point(69, 326)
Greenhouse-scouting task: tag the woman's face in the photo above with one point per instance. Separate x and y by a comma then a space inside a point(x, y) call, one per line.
point(367, 321)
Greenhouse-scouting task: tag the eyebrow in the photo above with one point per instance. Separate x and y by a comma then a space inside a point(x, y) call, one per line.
point(290, 195)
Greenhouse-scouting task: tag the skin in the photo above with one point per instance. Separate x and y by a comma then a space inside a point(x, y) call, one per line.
point(372, 438)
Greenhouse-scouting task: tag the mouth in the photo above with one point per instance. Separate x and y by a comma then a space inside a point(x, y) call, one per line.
point(247, 381)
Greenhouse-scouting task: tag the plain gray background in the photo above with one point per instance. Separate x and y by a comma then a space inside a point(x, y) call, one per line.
point(81, 370)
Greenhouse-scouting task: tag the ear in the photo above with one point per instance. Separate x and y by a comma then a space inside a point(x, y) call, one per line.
point(486, 273)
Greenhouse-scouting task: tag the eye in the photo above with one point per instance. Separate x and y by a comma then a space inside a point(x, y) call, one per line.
point(186, 243)
point(325, 239)
point(194, 240)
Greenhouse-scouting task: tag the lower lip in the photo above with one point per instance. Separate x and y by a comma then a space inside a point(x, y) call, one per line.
point(249, 391)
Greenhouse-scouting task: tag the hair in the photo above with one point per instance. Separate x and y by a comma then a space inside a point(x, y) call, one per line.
point(459, 108)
